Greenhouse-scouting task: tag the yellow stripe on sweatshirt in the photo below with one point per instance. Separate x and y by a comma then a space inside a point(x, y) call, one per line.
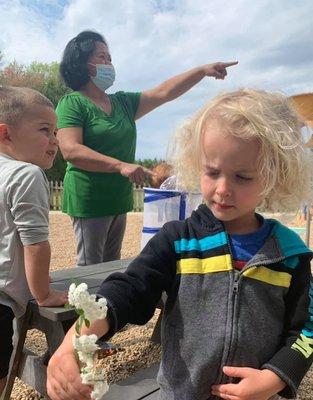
point(205, 265)
point(267, 275)
point(304, 345)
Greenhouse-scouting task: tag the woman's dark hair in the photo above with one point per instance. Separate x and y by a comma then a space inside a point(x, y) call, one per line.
point(73, 67)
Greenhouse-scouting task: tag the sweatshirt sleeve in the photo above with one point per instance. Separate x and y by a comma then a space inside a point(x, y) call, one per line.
point(295, 356)
point(132, 296)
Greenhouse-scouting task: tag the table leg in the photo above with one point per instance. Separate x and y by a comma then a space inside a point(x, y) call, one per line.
point(33, 368)
point(55, 332)
point(21, 330)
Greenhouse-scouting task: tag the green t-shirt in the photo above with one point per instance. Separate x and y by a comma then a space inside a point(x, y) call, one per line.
point(97, 194)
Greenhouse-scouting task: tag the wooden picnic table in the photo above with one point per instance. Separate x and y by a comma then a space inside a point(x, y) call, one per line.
point(54, 323)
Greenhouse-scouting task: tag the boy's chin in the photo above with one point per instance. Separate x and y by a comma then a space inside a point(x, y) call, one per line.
point(221, 216)
point(46, 165)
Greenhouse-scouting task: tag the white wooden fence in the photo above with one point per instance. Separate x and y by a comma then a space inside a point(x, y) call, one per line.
point(56, 190)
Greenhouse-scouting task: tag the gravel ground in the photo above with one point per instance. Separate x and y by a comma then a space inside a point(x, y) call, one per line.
point(136, 350)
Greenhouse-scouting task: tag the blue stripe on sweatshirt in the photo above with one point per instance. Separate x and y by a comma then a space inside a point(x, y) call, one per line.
point(290, 243)
point(206, 243)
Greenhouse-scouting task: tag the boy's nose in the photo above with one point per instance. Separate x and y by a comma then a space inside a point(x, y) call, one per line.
point(54, 140)
point(223, 187)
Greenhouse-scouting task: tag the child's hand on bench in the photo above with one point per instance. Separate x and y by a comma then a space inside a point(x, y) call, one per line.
point(55, 298)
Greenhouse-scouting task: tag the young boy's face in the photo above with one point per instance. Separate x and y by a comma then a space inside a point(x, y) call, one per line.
point(229, 180)
point(33, 136)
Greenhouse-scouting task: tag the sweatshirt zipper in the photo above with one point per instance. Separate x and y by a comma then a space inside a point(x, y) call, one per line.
point(265, 262)
point(235, 289)
point(237, 277)
point(236, 282)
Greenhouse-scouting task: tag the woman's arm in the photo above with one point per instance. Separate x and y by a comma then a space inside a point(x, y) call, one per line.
point(178, 85)
point(81, 156)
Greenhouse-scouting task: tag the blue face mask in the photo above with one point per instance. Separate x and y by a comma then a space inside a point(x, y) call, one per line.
point(105, 76)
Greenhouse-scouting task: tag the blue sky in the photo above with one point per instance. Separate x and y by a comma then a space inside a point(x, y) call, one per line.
point(150, 40)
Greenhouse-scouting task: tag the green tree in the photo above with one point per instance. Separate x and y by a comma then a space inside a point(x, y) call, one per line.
point(16, 74)
point(148, 162)
point(52, 84)
point(39, 76)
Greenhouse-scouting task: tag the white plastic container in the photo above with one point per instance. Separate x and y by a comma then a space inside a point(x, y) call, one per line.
point(161, 206)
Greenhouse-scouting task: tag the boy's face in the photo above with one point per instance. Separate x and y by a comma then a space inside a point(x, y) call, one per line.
point(229, 180)
point(32, 138)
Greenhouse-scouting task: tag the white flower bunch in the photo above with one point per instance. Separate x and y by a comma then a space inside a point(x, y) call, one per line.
point(79, 298)
point(85, 346)
point(97, 379)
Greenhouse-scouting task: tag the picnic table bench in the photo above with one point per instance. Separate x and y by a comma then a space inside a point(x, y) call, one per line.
point(54, 323)
point(141, 385)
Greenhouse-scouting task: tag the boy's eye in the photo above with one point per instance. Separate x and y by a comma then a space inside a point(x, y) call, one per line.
point(244, 178)
point(48, 131)
point(212, 173)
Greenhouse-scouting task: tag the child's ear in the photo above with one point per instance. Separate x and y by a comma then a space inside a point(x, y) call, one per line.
point(4, 134)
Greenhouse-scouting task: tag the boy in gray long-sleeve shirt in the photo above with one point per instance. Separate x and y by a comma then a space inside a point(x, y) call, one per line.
point(27, 145)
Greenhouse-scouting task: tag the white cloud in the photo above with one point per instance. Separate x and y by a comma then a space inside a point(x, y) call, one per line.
point(152, 39)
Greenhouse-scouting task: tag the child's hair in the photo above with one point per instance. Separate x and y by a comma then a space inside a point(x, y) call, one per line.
point(284, 163)
point(163, 171)
point(15, 101)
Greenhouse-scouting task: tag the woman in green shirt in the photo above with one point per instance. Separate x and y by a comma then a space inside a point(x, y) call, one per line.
point(97, 135)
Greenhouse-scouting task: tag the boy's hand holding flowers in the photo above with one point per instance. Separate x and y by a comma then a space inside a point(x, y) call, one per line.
point(85, 346)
